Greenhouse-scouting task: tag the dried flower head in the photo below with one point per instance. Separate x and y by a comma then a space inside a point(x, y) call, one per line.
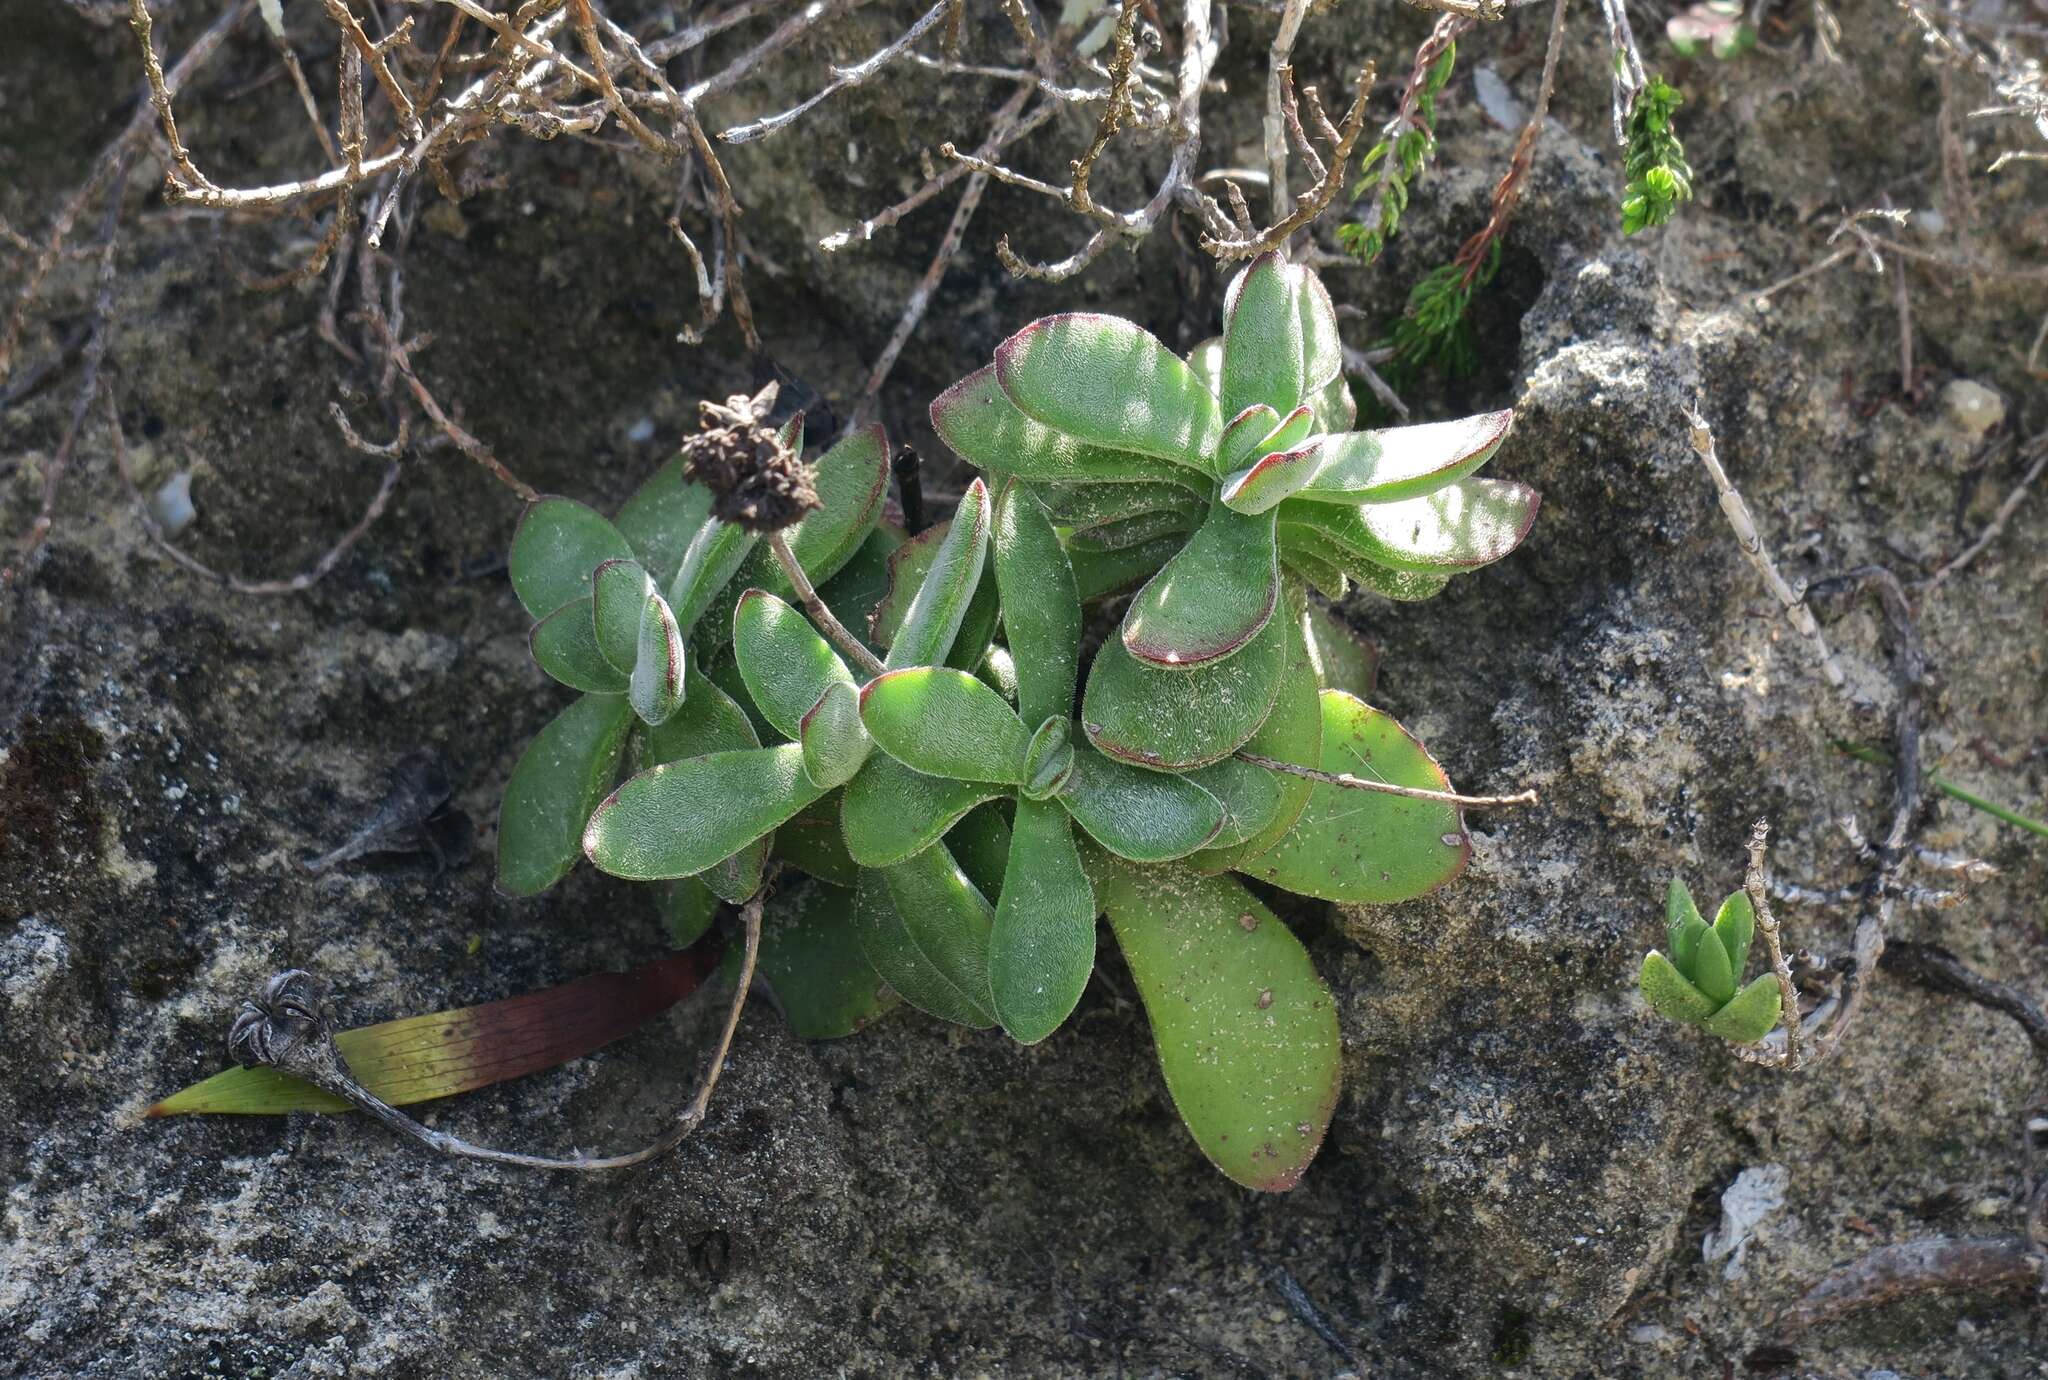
point(285, 1028)
point(759, 482)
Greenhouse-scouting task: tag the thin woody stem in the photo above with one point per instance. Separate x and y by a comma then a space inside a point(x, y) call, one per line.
point(1757, 883)
point(1359, 783)
point(815, 607)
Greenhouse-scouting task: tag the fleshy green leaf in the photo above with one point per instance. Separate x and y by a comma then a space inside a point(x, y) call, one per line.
point(1319, 575)
point(1041, 609)
point(1465, 525)
point(1710, 971)
point(940, 605)
point(1103, 380)
point(1212, 598)
point(1735, 926)
point(978, 420)
point(786, 663)
point(1366, 847)
point(810, 841)
point(924, 927)
point(714, 556)
point(1172, 720)
point(1272, 477)
point(557, 544)
point(1334, 409)
point(852, 480)
point(944, 722)
point(1089, 505)
point(1049, 762)
point(419, 1058)
point(812, 960)
point(1120, 534)
point(1682, 923)
point(656, 691)
point(1280, 343)
point(1146, 816)
point(560, 777)
point(1042, 947)
point(835, 742)
point(1291, 431)
point(1405, 461)
point(892, 812)
point(1669, 994)
point(708, 721)
point(619, 592)
point(687, 907)
point(659, 520)
point(1343, 659)
point(736, 877)
point(1404, 586)
point(1242, 434)
point(998, 671)
point(980, 843)
point(1099, 574)
point(1293, 732)
point(1750, 1013)
point(564, 644)
point(724, 672)
point(1308, 548)
point(1246, 1031)
point(682, 818)
point(1304, 542)
point(1206, 359)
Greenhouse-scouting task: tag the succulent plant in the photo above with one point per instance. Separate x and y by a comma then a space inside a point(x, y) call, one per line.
point(618, 606)
point(962, 790)
point(1226, 471)
point(1700, 983)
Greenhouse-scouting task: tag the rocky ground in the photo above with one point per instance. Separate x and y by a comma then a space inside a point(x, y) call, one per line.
point(1526, 1167)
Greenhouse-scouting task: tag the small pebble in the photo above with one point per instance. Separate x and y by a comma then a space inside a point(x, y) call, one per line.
point(171, 505)
point(1972, 408)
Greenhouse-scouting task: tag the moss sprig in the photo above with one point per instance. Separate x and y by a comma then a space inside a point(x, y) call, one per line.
point(1658, 175)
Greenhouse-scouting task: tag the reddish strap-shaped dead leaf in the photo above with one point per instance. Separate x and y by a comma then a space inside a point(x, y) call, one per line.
point(443, 1053)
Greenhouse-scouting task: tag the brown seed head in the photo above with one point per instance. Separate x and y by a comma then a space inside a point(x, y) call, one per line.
point(756, 481)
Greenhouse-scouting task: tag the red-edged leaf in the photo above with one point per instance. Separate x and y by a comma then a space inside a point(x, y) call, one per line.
point(443, 1053)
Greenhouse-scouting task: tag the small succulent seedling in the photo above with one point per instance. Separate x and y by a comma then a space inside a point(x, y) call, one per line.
point(1700, 982)
point(960, 821)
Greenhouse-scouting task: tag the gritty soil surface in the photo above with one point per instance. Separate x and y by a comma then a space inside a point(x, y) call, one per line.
point(1526, 1167)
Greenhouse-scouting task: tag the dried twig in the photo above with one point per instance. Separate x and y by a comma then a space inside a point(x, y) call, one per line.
point(1197, 57)
point(236, 584)
point(89, 386)
point(1359, 783)
point(821, 615)
point(1312, 202)
point(920, 298)
point(1992, 529)
point(842, 77)
point(117, 151)
point(1740, 519)
point(1756, 883)
point(1279, 92)
point(1507, 193)
point(1916, 1269)
point(981, 160)
point(1934, 967)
